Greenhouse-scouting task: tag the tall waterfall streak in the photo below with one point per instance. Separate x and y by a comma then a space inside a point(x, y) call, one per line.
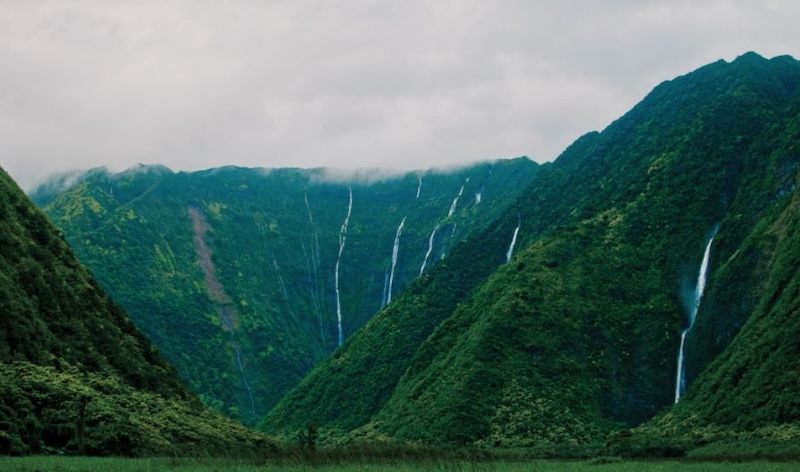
point(315, 259)
point(280, 278)
point(308, 207)
point(513, 242)
point(680, 380)
point(419, 187)
point(478, 198)
point(342, 239)
point(430, 249)
point(315, 242)
point(385, 283)
point(455, 201)
point(245, 382)
point(395, 250)
point(313, 270)
point(310, 269)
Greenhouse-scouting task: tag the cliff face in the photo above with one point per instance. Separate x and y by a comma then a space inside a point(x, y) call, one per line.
point(580, 333)
point(76, 376)
point(246, 278)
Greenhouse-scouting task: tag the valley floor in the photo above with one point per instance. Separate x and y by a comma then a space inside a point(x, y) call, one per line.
point(80, 464)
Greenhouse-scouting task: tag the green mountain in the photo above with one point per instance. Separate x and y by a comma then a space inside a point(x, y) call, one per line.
point(76, 376)
point(579, 334)
point(247, 278)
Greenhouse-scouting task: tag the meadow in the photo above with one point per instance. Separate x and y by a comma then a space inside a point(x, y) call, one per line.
point(81, 464)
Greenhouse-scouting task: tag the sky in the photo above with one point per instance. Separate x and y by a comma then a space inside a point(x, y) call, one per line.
point(396, 84)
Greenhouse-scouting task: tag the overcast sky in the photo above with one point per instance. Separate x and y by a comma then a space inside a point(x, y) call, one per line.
point(408, 84)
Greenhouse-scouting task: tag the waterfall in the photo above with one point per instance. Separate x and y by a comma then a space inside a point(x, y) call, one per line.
point(313, 269)
point(308, 207)
point(478, 198)
point(419, 187)
point(680, 381)
point(245, 383)
point(385, 283)
point(395, 250)
point(455, 200)
point(342, 238)
point(430, 249)
point(280, 279)
point(513, 242)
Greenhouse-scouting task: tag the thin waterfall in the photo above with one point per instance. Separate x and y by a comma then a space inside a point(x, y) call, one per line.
point(280, 279)
point(245, 383)
point(395, 250)
point(455, 200)
point(430, 249)
point(342, 239)
point(308, 207)
point(313, 269)
point(513, 242)
point(385, 283)
point(680, 380)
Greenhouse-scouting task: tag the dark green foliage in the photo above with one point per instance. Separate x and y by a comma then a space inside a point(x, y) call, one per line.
point(75, 375)
point(62, 410)
point(349, 387)
point(750, 391)
point(560, 351)
point(269, 246)
point(54, 312)
point(578, 335)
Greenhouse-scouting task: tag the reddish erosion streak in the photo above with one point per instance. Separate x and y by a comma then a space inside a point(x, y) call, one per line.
point(226, 310)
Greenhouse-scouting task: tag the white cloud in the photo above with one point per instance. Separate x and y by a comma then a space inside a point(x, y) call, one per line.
point(348, 83)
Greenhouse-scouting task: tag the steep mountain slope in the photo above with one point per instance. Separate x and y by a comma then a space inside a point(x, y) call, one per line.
point(747, 398)
point(246, 278)
point(579, 334)
point(75, 374)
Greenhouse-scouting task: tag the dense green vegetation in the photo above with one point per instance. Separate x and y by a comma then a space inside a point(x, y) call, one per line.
point(211, 465)
point(75, 375)
point(231, 272)
point(577, 337)
point(348, 387)
point(745, 403)
point(568, 349)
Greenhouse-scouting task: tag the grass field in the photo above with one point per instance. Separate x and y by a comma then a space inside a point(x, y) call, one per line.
point(75, 464)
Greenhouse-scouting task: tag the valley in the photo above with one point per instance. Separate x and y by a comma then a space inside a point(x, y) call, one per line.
point(247, 278)
point(637, 298)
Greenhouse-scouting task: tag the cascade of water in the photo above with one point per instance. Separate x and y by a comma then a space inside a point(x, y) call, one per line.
point(513, 242)
point(312, 289)
point(478, 198)
point(430, 249)
point(245, 382)
point(308, 207)
point(395, 250)
point(342, 239)
point(455, 200)
point(313, 269)
point(280, 279)
point(680, 381)
point(419, 187)
point(385, 283)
